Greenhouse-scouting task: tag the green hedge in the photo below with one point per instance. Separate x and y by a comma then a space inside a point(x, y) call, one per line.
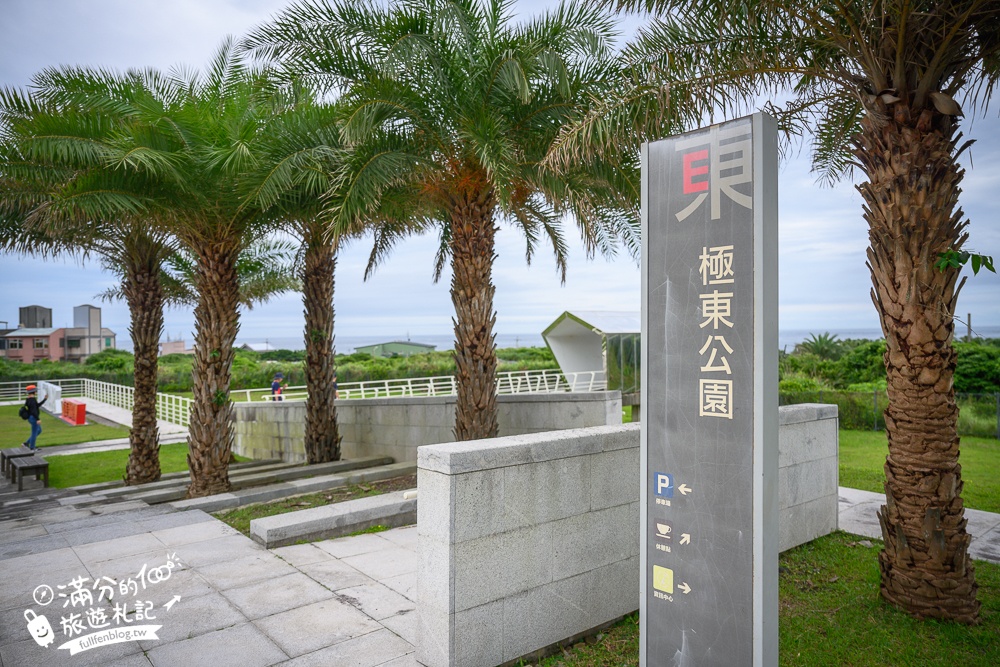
point(863, 411)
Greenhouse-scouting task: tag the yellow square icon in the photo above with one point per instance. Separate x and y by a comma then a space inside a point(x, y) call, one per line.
point(663, 579)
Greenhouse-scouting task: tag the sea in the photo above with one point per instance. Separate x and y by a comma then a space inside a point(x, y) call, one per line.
point(787, 339)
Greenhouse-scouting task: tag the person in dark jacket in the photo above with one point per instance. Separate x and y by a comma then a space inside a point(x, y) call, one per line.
point(34, 415)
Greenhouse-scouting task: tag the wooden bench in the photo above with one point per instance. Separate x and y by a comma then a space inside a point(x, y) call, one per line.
point(14, 452)
point(26, 465)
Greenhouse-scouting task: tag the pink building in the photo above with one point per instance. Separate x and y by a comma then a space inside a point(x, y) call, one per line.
point(35, 338)
point(31, 345)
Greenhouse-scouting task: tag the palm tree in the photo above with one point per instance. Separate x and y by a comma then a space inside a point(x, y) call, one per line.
point(197, 140)
point(299, 157)
point(449, 108)
point(877, 82)
point(62, 197)
point(824, 346)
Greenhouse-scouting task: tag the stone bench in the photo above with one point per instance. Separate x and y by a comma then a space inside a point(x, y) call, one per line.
point(322, 523)
point(27, 465)
point(13, 453)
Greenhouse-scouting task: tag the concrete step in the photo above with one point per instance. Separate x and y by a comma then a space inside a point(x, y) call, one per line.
point(55, 511)
point(183, 479)
point(118, 484)
point(264, 479)
point(322, 523)
point(97, 528)
point(223, 501)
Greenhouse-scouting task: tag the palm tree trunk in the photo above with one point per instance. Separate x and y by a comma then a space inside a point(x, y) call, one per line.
point(322, 439)
point(472, 256)
point(216, 321)
point(911, 205)
point(144, 296)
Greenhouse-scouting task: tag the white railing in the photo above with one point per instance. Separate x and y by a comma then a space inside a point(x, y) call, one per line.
point(173, 409)
point(14, 391)
point(512, 382)
point(169, 408)
point(177, 409)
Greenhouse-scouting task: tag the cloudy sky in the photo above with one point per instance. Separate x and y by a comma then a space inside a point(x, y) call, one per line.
point(824, 283)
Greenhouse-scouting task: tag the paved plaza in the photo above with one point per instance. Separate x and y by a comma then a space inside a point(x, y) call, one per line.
point(348, 601)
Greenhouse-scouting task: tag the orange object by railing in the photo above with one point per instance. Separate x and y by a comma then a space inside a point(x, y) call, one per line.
point(74, 411)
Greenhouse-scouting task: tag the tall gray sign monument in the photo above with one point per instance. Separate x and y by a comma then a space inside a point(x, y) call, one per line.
point(709, 397)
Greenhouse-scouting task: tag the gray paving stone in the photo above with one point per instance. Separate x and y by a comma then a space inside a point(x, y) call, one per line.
point(987, 547)
point(385, 563)
point(375, 648)
point(191, 617)
point(215, 550)
point(404, 625)
point(274, 596)
point(9, 535)
point(131, 565)
point(173, 519)
point(185, 583)
point(370, 650)
point(201, 531)
point(861, 519)
point(29, 654)
point(16, 592)
point(376, 600)
point(242, 571)
point(301, 554)
point(408, 660)
point(344, 547)
point(404, 584)
point(310, 627)
point(239, 646)
point(98, 551)
point(335, 574)
point(30, 547)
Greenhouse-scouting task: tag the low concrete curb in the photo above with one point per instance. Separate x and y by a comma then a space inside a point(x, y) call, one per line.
point(224, 501)
point(321, 523)
point(175, 489)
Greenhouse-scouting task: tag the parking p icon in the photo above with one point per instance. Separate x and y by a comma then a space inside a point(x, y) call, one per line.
point(664, 484)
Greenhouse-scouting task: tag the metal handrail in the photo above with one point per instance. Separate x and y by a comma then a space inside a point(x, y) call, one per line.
point(177, 409)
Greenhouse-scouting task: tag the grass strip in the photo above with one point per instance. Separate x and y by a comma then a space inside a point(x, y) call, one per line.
point(54, 430)
point(831, 615)
point(241, 517)
point(862, 457)
point(92, 467)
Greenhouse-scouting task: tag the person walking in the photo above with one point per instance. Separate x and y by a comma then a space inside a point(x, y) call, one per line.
point(277, 384)
point(34, 416)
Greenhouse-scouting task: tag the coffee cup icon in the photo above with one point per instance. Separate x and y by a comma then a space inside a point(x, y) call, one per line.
point(39, 628)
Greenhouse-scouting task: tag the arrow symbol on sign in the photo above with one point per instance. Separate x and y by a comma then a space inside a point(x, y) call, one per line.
point(684, 587)
point(173, 601)
point(685, 538)
point(684, 489)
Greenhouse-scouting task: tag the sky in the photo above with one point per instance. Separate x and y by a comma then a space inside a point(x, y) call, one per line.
point(823, 281)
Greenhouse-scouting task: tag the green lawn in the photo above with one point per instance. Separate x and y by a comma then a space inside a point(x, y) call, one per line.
point(831, 615)
point(93, 467)
point(54, 430)
point(862, 457)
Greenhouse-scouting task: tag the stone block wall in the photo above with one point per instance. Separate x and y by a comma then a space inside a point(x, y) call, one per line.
point(807, 472)
point(525, 541)
point(397, 426)
point(528, 540)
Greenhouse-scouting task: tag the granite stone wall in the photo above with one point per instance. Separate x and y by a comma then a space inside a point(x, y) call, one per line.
point(397, 426)
point(528, 540)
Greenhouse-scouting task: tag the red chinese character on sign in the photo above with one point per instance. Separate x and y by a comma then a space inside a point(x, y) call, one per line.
point(690, 171)
point(727, 174)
